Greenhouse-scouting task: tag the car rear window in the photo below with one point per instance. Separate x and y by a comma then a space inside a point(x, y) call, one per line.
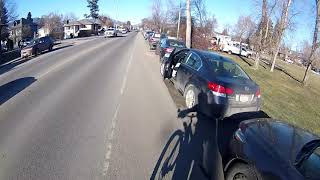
point(227, 69)
point(175, 43)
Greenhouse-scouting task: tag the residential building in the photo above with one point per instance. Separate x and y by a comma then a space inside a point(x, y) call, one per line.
point(74, 28)
point(23, 28)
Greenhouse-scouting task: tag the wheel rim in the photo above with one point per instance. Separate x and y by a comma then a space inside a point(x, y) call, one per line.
point(240, 176)
point(190, 98)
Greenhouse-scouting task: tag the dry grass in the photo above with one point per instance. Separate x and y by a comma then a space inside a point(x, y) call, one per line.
point(285, 98)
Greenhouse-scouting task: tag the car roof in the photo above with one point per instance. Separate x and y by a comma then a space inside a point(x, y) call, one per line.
point(207, 54)
point(279, 134)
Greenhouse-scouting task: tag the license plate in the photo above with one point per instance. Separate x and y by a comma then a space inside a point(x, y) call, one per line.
point(244, 98)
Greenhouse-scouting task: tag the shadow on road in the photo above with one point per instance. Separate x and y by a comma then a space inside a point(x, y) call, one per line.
point(10, 89)
point(197, 151)
point(11, 65)
point(7, 67)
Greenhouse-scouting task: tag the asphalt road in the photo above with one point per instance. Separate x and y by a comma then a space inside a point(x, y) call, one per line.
point(95, 110)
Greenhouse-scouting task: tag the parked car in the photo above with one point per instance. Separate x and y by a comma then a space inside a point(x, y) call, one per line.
point(168, 45)
point(272, 150)
point(153, 40)
point(37, 46)
point(214, 84)
point(148, 34)
point(111, 32)
point(124, 31)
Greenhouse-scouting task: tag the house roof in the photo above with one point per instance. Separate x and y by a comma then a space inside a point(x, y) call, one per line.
point(84, 22)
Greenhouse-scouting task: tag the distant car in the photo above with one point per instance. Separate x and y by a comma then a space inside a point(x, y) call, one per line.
point(168, 45)
point(153, 40)
point(124, 31)
point(214, 84)
point(272, 150)
point(111, 32)
point(37, 46)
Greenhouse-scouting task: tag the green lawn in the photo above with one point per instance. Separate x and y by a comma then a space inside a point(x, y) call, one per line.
point(283, 97)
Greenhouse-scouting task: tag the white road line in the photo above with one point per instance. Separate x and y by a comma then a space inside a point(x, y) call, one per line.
point(107, 157)
point(124, 82)
point(109, 142)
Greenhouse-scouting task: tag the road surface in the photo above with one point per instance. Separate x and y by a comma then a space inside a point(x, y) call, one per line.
point(93, 110)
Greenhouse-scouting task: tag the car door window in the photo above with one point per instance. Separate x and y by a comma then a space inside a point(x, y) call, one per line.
point(181, 57)
point(194, 61)
point(310, 167)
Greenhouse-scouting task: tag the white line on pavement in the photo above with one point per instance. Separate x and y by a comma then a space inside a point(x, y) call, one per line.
point(109, 143)
point(124, 82)
point(114, 119)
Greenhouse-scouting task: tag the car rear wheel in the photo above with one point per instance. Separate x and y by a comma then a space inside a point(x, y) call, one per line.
point(241, 171)
point(191, 96)
point(50, 48)
point(36, 52)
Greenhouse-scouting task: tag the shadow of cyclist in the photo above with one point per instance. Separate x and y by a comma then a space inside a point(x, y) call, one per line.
point(197, 150)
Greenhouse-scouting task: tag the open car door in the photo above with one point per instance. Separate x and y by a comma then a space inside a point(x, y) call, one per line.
point(170, 61)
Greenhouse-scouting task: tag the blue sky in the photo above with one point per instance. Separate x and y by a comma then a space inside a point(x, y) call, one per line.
point(225, 11)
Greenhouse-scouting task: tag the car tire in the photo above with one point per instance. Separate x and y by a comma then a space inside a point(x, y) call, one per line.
point(50, 48)
point(191, 96)
point(241, 171)
point(36, 52)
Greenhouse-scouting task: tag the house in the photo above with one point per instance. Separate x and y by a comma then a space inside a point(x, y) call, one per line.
point(74, 28)
point(22, 28)
point(43, 31)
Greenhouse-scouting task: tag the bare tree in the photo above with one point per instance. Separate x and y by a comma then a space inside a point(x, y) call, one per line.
point(157, 14)
point(244, 29)
point(283, 24)
point(315, 42)
point(106, 21)
point(188, 30)
point(262, 39)
point(53, 23)
point(69, 17)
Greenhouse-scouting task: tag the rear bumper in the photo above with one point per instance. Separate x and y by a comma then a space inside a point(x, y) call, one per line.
point(220, 107)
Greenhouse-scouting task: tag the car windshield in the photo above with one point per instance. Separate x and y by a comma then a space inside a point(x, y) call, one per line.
point(227, 69)
point(34, 41)
point(175, 43)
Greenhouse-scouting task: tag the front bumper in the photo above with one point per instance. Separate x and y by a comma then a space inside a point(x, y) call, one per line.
point(26, 53)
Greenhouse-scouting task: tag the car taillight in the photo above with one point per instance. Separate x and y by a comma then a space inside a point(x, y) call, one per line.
point(168, 50)
point(219, 90)
point(258, 94)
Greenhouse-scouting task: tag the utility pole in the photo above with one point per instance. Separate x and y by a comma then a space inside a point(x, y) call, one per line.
point(188, 30)
point(179, 20)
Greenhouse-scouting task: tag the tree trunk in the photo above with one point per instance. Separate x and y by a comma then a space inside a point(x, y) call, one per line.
point(276, 52)
point(188, 29)
point(257, 60)
point(305, 77)
point(282, 27)
point(179, 20)
point(314, 43)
